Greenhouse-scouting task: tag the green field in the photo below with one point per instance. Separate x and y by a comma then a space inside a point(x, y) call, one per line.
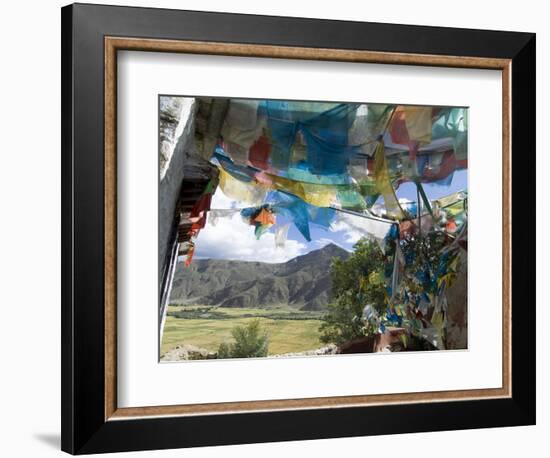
point(289, 330)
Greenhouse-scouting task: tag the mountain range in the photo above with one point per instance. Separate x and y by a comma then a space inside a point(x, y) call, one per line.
point(303, 282)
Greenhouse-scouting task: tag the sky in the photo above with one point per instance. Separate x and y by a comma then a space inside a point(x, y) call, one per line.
point(232, 238)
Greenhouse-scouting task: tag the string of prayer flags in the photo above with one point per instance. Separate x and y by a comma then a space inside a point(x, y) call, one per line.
point(384, 185)
point(246, 192)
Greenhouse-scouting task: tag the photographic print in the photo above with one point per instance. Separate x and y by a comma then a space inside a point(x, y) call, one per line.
point(241, 204)
point(308, 228)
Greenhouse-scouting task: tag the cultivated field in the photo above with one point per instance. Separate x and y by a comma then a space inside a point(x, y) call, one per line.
point(289, 330)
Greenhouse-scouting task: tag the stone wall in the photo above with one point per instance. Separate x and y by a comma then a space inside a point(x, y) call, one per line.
point(182, 156)
point(176, 137)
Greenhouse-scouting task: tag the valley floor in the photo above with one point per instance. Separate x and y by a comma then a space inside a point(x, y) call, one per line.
point(289, 330)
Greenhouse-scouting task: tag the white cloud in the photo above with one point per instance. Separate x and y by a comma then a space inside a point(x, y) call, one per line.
point(221, 201)
point(349, 234)
point(231, 238)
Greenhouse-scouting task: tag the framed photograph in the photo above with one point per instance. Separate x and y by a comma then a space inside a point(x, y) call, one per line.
point(284, 228)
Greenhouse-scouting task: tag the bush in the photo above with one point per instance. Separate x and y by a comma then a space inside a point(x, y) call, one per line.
point(250, 342)
point(224, 351)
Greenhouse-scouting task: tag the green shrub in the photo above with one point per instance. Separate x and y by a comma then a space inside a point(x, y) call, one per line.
point(250, 342)
point(224, 351)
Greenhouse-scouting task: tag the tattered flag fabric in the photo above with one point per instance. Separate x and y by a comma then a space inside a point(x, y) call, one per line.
point(281, 235)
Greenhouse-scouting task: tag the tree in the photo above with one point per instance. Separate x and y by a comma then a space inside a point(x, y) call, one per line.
point(250, 342)
point(363, 303)
point(356, 282)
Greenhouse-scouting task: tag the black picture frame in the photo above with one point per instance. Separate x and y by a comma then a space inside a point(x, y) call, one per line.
point(84, 427)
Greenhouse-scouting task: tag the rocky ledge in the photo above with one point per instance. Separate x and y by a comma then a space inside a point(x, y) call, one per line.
point(191, 352)
point(187, 352)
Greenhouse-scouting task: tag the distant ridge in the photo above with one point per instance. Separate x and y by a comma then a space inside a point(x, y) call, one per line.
point(303, 282)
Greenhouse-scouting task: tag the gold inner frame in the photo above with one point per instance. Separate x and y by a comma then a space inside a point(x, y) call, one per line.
point(114, 44)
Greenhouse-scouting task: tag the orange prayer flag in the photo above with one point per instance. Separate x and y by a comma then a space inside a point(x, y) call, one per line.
point(265, 218)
